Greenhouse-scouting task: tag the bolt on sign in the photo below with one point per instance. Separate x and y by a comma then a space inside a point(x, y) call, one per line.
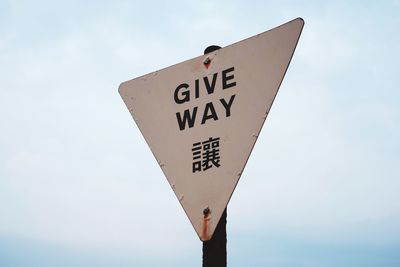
point(201, 118)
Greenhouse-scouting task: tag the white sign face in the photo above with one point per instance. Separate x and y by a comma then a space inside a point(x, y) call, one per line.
point(201, 118)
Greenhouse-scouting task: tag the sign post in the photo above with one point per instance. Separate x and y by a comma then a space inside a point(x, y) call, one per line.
point(214, 250)
point(202, 117)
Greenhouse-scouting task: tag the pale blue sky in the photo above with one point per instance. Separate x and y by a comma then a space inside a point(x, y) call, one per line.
point(80, 187)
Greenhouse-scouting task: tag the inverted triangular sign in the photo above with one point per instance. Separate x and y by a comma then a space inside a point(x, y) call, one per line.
point(201, 117)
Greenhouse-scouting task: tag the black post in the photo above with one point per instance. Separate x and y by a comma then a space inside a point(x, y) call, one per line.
point(214, 250)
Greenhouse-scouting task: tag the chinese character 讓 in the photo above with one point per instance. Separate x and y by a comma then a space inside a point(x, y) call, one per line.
point(206, 155)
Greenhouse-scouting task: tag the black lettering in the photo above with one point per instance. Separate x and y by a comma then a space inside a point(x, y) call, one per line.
point(212, 115)
point(210, 88)
point(186, 118)
point(196, 89)
point(185, 94)
point(226, 77)
point(228, 105)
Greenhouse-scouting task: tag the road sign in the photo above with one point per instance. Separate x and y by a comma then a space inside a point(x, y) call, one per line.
point(201, 118)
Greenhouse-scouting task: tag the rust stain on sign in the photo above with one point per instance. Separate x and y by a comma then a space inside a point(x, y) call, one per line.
point(207, 62)
point(205, 236)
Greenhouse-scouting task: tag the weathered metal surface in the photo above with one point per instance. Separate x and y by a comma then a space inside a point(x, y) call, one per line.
point(202, 117)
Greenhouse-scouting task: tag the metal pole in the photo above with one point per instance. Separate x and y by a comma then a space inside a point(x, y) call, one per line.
point(214, 250)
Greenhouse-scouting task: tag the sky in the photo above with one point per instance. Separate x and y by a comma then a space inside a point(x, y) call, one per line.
point(80, 187)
